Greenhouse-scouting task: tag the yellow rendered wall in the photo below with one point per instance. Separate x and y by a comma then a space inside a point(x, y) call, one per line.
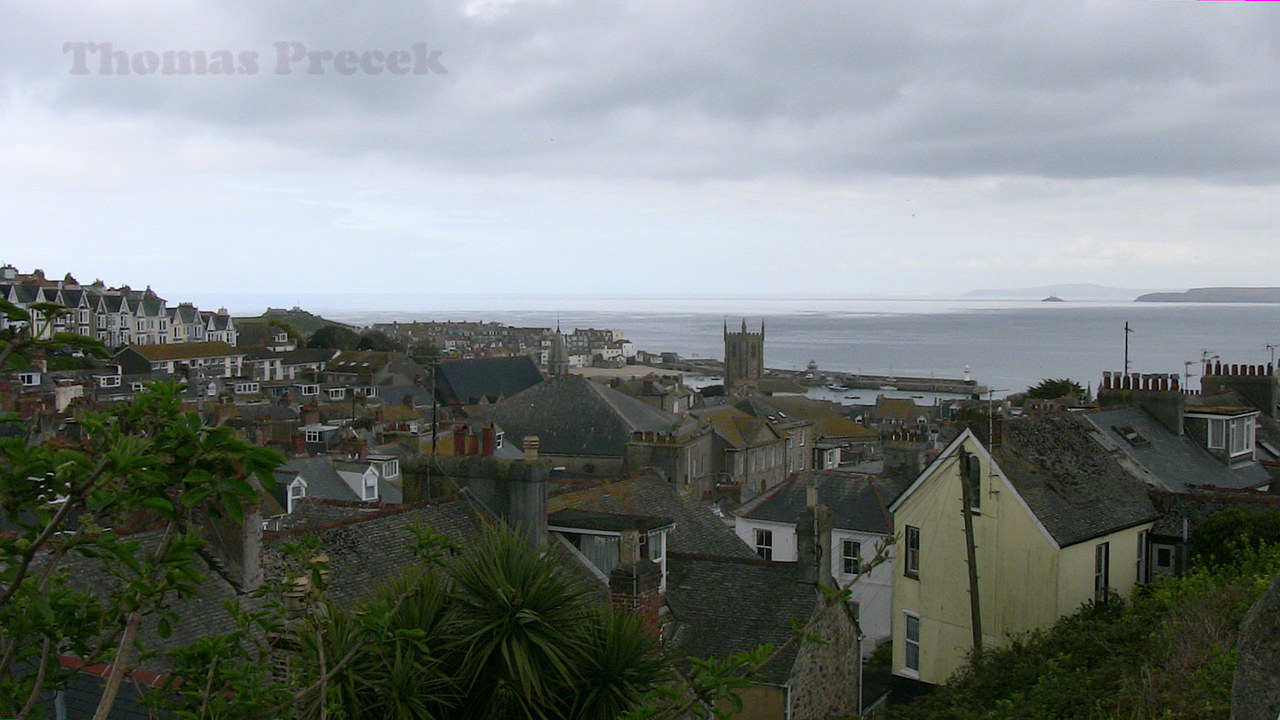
point(1017, 570)
point(1076, 578)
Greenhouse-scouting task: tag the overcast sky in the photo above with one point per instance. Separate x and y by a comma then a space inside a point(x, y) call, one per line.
point(753, 147)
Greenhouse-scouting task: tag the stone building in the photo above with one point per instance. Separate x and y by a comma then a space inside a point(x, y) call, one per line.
point(743, 356)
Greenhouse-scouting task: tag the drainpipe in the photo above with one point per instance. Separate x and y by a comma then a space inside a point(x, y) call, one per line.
point(788, 688)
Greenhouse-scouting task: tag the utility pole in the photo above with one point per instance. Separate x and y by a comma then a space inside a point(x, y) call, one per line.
point(975, 610)
point(435, 365)
point(1126, 348)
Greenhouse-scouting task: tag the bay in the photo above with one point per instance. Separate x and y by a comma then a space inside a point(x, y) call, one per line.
point(1007, 345)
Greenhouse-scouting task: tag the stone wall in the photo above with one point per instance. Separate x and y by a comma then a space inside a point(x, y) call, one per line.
point(1255, 694)
point(824, 678)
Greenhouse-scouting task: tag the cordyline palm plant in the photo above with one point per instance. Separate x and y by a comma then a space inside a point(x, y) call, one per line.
point(498, 631)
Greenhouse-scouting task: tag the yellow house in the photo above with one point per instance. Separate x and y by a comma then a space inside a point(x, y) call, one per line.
point(1056, 523)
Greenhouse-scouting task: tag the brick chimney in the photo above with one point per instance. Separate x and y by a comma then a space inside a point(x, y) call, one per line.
point(634, 587)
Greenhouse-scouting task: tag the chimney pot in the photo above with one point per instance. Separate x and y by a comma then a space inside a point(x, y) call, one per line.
point(531, 444)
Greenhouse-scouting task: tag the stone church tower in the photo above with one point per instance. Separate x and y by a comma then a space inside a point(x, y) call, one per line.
point(558, 358)
point(743, 356)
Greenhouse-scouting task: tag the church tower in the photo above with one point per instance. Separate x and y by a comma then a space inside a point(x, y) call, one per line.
point(558, 358)
point(743, 356)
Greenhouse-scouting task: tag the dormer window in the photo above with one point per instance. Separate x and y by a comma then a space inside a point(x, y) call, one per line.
point(1235, 435)
point(108, 381)
point(297, 491)
point(309, 390)
point(337, 393)
point(29, 379)
point(370, 486)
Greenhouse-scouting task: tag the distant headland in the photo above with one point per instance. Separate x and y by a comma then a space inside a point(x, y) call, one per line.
point(1217, 295)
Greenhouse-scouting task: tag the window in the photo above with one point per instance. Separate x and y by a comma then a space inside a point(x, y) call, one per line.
point(1142, 557)
point(337, 393)
point(764, 544)
point(391, 468)
point(310, 390)
point(29, 379)
point(911, 649)
point(911, 561)
point(1101, 571)
point(370, 486)
point(657, 546)
point(851, 556)
point(1217, 434)
point(107, 381)
point(1241, 435)
point(313, 436)
point(297, 491)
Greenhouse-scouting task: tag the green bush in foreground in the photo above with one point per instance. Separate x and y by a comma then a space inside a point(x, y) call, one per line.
point(1167, 653)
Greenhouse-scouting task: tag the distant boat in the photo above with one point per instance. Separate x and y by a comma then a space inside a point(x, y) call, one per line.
point(837, 388)
point(852, 397)
point(917, 395)
point(888, 387)
point(1053, 298)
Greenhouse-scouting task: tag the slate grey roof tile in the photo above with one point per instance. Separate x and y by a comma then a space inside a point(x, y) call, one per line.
point(1074, 486)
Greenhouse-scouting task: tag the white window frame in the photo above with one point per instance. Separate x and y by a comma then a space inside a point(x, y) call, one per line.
point(850, 556)
point(370, 486)
point(911, 552)
point(1101, 571)
point(312, 436)
point(1217, 434)
point(297, 491)
point(764, 543)
point(910, 641)
point(29, 379)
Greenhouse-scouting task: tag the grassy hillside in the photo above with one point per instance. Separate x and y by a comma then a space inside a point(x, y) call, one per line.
point(305, 322)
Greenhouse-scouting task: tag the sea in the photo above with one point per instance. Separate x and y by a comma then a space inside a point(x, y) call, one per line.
point(1006, 345)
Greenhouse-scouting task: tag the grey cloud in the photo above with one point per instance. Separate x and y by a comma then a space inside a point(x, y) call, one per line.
point(718, 90)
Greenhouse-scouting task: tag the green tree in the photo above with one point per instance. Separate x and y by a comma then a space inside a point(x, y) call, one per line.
point(334, 337)
point(25, 335)
point(1050, 389)
point(493, 631)
point(144, 459)
point(377, 340)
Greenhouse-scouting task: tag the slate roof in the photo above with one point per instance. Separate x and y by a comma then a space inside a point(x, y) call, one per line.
point(467, 382)
point(737, 428)
point(324, 482)
point(306, 356)
point(697, 530)
point(1172, 461)
point(1075, 487)
point(395, 395)
point(606, 522)
point(725, 606)
point(857, 502)
point(574, 416)
point(826, 421)
point(184, 351)
point(369, 549)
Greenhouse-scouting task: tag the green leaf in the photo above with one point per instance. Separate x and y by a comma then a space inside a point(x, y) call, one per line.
point(160, 505)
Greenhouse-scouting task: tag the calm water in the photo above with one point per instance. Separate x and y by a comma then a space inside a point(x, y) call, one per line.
point(1008, 345)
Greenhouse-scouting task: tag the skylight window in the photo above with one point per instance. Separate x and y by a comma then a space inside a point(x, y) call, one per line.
point(1131, 436)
